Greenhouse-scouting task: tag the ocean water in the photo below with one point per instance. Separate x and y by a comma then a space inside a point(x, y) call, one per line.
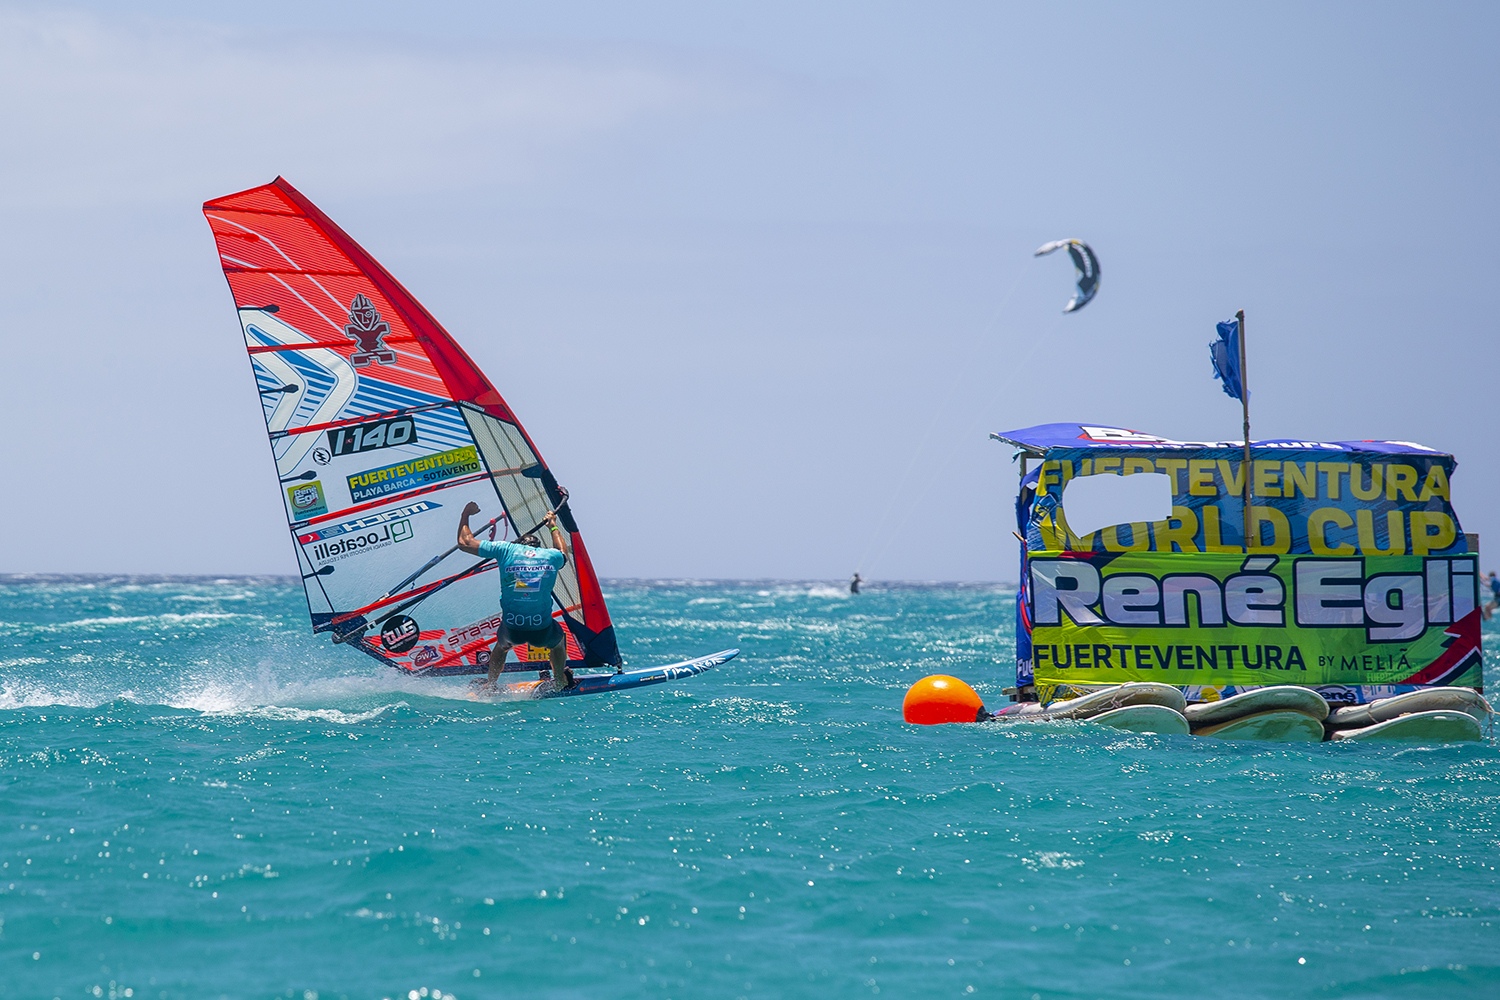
point(200, 799)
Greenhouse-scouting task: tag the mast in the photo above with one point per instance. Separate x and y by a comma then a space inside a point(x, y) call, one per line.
point(1245, 402)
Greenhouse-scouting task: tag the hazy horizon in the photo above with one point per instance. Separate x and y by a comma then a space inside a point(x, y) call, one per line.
point(9, 579)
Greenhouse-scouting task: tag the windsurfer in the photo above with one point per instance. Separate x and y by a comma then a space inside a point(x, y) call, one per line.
point(528, 570)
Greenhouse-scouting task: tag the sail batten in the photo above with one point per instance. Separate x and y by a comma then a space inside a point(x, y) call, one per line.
point(382, 429)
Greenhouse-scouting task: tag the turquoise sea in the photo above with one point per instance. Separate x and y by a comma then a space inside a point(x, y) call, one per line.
point(200, 799)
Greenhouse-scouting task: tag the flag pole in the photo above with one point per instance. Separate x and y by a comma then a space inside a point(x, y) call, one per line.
point(1245, 401)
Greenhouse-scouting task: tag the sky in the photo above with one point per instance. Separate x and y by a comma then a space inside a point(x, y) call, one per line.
point(758, 279)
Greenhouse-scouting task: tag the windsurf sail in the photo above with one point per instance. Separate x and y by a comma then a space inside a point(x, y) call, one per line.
point(382, 429)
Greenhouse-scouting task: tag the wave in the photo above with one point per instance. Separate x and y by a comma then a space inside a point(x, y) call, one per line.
point(223, 691)
point(841, 593)
point(165, 619)
point(332, 715)
point(14, 695)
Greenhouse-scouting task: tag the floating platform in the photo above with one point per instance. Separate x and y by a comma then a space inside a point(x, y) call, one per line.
point(1283, 713)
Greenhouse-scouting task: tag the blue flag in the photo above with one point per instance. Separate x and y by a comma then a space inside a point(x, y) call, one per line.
point(1225, 353)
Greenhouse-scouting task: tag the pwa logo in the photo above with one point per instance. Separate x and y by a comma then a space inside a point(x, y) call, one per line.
point(1327, 593)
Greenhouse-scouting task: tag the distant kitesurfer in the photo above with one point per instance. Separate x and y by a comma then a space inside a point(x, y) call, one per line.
point(528, 570)
point(1494, 601)
point(854, 584)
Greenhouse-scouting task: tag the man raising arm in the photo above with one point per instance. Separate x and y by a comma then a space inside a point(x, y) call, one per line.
point(528, 571)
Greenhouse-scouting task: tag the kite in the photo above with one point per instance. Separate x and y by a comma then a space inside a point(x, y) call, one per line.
point(1088, 270)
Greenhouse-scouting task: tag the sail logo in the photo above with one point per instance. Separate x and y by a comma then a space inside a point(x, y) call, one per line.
point(369, 331)
point(369, 521)
point(404, 476)
point(399, 633)
point(480, 631)
point(306, 500)
point(361, 542)
point(371, 436)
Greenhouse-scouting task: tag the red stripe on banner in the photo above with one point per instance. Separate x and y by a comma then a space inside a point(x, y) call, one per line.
point(1465, 644)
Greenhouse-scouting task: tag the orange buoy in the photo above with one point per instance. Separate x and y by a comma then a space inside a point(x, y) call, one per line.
point(940, 698)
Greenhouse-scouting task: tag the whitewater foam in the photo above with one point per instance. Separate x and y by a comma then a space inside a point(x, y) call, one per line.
point(165, 619)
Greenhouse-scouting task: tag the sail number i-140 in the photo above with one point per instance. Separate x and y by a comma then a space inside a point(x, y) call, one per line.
point(372, 436)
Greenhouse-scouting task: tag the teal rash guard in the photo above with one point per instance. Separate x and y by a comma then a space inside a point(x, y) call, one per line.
point(526, 579)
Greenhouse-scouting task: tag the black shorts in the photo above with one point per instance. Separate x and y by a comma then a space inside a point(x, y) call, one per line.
point(547, 638)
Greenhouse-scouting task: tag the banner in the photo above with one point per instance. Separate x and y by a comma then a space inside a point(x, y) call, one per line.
point(1249, 620)
point(1328, 503)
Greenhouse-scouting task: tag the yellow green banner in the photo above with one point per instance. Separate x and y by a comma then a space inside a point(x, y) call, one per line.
point(1221, 618)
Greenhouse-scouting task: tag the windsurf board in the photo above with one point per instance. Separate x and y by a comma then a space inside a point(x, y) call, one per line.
point(1418, 727)
point(1283, 697)
point(1457, 699)
point(1097, 702)
point(1155, 719)
point(1274, 726)
point(606, 683)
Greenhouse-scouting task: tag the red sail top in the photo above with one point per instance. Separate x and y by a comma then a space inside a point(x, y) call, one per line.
point(303, 233)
